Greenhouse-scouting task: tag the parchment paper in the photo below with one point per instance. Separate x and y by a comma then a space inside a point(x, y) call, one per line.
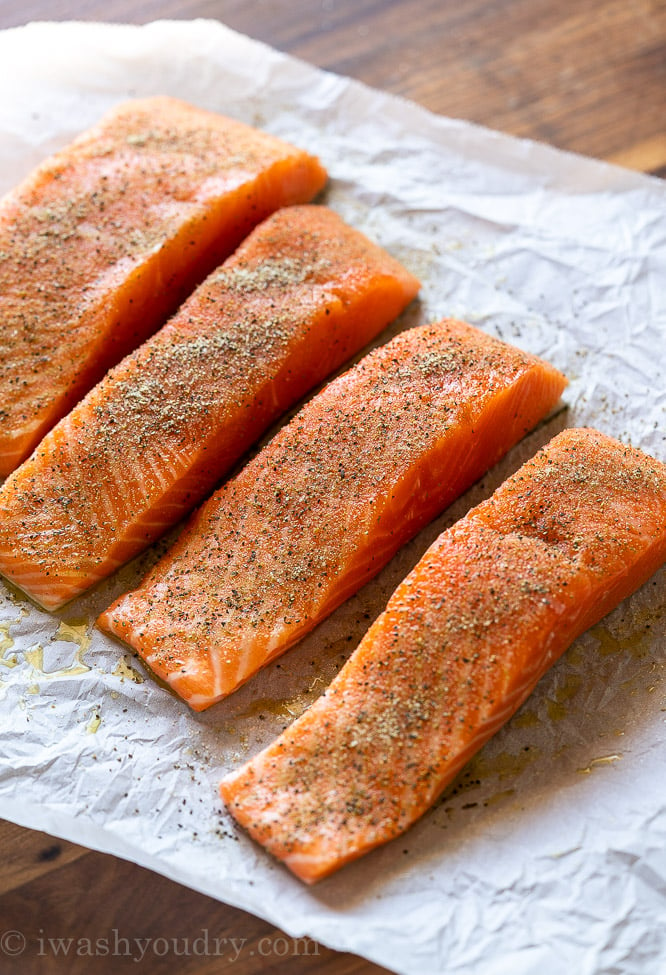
point(549, 853)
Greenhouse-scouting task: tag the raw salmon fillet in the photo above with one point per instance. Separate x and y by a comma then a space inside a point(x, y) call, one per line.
point(362, 468)
point(464, 639)
point(105, 239)
point(302, 294)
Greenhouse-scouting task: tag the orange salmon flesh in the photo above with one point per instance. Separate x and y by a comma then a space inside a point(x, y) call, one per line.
point(301, 294)
point(463, 640)
point(317, 513)
point(105, 239)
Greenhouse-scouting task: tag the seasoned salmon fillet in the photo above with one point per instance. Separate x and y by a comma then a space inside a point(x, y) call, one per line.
point(105, 239)
point(301, 294)
point(463, 640)
point(360, 470)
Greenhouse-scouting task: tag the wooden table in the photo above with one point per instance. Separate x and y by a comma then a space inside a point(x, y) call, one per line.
point(586, 77)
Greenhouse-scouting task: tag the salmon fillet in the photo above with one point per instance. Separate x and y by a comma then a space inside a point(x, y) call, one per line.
point(462, 642)
point(105, 239)
point(360, 470)
point(302, 294)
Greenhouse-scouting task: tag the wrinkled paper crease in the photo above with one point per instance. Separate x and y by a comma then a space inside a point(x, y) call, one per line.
point(549, 852)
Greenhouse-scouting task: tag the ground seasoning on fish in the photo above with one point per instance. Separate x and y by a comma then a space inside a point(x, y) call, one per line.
point(104, 240)
point(303, 293)
point(463, 640)
point(363, 466)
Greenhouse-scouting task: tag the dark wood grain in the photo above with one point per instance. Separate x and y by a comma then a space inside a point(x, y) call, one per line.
point(586, 77)
point(86, 912)
point(27, 854)
point(589, 77)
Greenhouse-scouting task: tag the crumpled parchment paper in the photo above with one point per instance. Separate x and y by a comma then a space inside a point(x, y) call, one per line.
point(549, 853)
